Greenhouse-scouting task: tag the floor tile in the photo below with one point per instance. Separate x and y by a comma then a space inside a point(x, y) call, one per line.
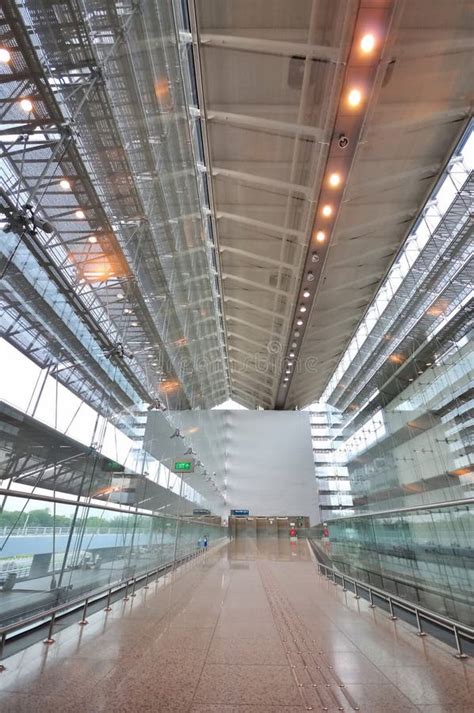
point(246, 652)
point(269, 685)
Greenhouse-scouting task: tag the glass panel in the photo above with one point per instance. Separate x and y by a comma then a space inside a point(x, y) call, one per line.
point(52, 552)
point(426, 556)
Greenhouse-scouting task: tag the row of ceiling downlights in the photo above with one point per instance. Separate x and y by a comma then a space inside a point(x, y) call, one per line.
point(353, 99)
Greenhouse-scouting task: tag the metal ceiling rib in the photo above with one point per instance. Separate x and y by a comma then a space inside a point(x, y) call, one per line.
point(270, 75)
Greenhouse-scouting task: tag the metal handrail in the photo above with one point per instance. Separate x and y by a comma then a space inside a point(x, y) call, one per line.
point(84, 601)
point(420, 613)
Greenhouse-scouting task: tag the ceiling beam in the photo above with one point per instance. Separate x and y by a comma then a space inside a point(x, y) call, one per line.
point(274, 47)
point(252, 283)
point(253, 179)
point(255, 396)
point(255, 343)
point(249, 305)
point(271, 126)
point(356, 231)
point(249, 397)
point(245, 323)
point(419, 119)
point(257, 258)
point(263, 226)
point(391, 180)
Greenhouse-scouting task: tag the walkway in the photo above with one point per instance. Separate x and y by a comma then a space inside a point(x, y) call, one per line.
point(240, 631)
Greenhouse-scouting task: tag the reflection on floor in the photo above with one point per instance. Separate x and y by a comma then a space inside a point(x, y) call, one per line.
point(247, 629)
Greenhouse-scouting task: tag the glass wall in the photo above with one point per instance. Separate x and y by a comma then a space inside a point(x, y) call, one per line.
point(418, 448)
point(426, 556)
point(404, 398)
point(52, 552)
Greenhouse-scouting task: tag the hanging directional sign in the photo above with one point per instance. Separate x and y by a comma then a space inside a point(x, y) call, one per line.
point(185, 465)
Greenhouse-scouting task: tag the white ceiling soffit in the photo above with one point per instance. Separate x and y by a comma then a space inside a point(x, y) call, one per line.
point(273, 74)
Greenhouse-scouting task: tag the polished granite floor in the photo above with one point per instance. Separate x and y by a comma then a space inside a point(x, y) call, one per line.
point(246, 629)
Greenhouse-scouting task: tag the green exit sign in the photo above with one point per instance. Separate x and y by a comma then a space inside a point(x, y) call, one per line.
point(111, 466)
point(184, 466)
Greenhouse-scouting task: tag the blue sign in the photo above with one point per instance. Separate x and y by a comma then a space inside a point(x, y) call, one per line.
point(240, 513)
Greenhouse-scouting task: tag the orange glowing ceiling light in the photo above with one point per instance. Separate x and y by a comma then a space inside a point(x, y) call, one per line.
point(170, 386)
point(459, 472)
point(97, 269)
point(367, 43)
point(26, 105)
point(162, 89)
point(438, 308)
point(354, 97)
point(335, 180)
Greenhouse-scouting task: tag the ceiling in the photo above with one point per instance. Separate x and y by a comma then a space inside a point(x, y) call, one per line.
point(271, 78)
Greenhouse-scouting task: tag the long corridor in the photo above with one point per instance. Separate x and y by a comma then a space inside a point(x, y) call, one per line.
point(243, 629)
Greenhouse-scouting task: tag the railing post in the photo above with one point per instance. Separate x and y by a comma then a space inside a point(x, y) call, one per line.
point(420, 631)
point(107, 606)
point(390, 605)
point(49, 639)
point(133, 587)
point(126, 597)
point(84, 621)
point(371, 598)
point(344, 588)
point(356, 590)
point(146, 582)
point(334, 580)
point(460, 654)
point(2, 649)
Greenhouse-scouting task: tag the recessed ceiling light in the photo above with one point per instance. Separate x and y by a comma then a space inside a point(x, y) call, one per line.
point(120, 295)
point(291, 354)
point(320, 236)
point(303, 308)
point(26, 105)
point(80, 214)
point(327, 211)
point(354, 97)
point(5, 55)
point(306, 293)
point(285, 379)
point(134, 324)
point(288, 371)
point(367, 43)
point(310, 276)
point(92, 239)
point(297, 334)
point(299, 322)
point(290, 363)
point(65, 184)
point(335, 180)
